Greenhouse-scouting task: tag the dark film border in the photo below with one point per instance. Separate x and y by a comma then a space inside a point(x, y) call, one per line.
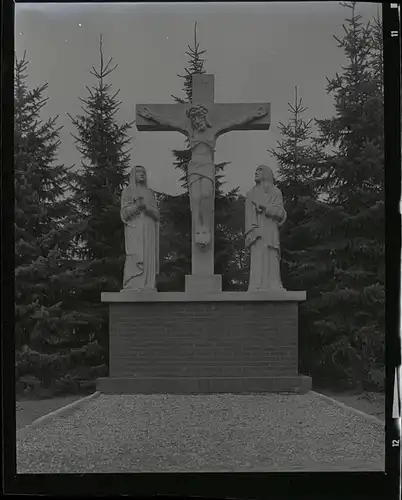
point(392, 160)
point(219, 485)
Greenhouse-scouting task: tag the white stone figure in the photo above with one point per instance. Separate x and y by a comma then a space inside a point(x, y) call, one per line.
point(202, 135)
point(264, 215)
point(140, 215)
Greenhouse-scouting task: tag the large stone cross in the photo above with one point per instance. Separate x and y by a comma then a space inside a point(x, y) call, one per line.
point(202, 121)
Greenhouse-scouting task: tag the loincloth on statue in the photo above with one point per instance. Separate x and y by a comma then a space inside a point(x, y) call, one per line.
point(194, 175)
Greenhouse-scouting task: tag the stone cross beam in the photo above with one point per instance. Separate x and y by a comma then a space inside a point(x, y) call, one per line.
point(202, 121)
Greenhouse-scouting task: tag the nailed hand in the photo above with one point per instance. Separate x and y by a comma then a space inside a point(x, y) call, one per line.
point(261, 112)
point(145, 113)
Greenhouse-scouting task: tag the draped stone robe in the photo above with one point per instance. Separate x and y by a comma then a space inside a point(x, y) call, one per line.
point(262, 237)
point(141, 234)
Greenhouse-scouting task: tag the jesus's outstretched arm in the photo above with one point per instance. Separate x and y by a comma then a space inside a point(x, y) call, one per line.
point(179, 124)
point(243, 120)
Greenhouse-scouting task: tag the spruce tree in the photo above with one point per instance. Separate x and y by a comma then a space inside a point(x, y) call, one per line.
point(44, 223)
point(296, 156)
point(175, 211)
point(103, 144)
point(347, 313)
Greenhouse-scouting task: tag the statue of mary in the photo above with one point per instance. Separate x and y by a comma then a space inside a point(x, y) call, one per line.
point(140, 215)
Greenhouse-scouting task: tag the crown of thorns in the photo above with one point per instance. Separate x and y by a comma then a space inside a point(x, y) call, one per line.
point(197, 109)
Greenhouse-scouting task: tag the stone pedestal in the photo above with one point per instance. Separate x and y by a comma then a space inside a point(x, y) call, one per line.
point(195, 342)
point(203, 284)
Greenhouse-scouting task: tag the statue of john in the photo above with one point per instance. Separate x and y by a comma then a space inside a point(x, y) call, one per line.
point(140, 215)
point(264, 215)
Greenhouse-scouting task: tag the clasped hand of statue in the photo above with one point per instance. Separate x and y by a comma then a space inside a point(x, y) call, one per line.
point(141, 205)
point(267, 210)
point(138, 206)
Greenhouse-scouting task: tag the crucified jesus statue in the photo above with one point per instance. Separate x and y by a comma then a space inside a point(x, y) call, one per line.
point(202, 134)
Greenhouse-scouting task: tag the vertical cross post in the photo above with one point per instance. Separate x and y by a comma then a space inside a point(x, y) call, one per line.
point(202, 262)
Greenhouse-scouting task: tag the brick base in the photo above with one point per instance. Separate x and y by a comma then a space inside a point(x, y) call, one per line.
point(181, 344)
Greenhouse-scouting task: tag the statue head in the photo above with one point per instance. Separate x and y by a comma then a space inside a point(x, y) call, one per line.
point(264, 175)
point(138, 175)
point(198, 115)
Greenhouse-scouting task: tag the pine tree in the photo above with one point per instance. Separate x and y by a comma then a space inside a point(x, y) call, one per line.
point(347, 317)
point(102, 142)
point(175, 211)
point(296, 156)
point(44, 222)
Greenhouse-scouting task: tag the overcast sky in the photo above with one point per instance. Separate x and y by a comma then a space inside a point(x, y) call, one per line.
point(258, 53)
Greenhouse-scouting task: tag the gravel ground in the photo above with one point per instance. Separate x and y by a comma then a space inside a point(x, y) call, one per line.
point(167, 433)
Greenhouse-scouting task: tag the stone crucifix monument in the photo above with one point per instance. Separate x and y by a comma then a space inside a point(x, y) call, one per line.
point(203, 340)
point(202, 121)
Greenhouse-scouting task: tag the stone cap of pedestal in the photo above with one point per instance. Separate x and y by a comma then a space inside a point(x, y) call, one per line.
point(270, 296)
